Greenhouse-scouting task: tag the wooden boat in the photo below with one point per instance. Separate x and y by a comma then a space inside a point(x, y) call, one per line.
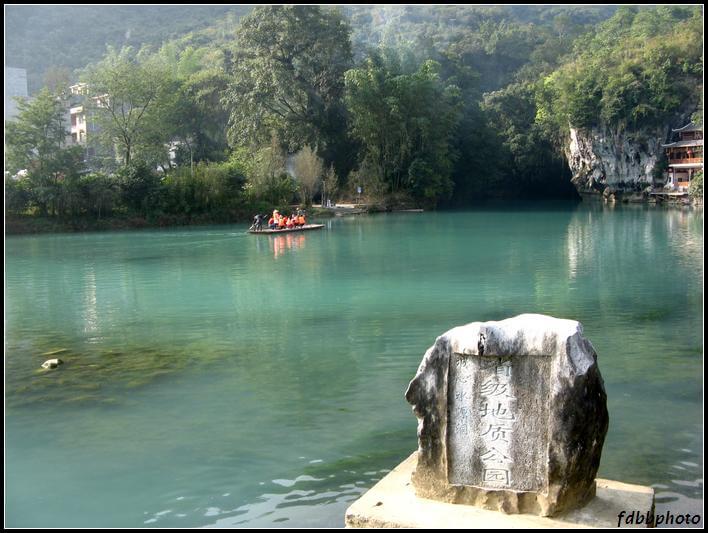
point(266, 231)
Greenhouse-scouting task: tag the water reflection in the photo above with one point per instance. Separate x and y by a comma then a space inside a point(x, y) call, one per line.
point(286, 243)
point(90, 310)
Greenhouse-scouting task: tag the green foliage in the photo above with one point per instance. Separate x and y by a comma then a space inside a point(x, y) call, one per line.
point(140, 186)
point(267, 181)
point(638, 70)
point(405, 122)
point(202, 119)
point(100, 194)
point(210, 187)
point(18, 194)
point(534, 162)
point(366, 177)
point(497, 42)
point(38, 134)
point(417, 104)
point(136, 99)
point(695, 188)
point(35, 143)
point(288, 75)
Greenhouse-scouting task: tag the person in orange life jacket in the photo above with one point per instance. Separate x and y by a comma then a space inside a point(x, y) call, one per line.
point(301, 220)
point(281, 223)
point(275, 218)
point(289, 223)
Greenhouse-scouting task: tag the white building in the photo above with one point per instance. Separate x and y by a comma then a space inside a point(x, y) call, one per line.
point(685, 155)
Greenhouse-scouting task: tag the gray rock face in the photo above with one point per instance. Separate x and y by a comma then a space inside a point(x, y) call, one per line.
point(512, 416)
point(600, 159)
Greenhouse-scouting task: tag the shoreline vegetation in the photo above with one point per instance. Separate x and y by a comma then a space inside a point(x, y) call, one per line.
point(285, 105)
point(32, 225)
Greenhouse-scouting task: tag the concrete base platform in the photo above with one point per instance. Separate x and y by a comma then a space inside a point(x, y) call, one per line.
point(392, 503)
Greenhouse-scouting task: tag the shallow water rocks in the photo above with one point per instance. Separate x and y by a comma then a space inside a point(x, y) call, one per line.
point(51, 364)
point(512, 416)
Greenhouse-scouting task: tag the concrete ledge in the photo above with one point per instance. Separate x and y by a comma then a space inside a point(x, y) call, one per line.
point(392, 503)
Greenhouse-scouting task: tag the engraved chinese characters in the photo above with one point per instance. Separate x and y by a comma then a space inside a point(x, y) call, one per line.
point(496, 436)
point(512, 416)
point(496, 412)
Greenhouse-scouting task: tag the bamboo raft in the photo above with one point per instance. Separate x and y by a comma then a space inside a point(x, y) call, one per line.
point(266, 231)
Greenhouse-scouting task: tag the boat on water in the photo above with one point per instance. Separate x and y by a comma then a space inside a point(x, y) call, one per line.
point(267, 231)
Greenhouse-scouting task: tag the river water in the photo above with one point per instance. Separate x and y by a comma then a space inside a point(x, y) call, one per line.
point(216, 378)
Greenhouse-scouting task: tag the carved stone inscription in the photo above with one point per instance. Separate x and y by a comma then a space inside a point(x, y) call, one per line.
point(498, 421)
point(512, 415)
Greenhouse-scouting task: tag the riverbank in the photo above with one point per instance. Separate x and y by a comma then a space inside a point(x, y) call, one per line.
point(29, 224)
point(658, 197)
point(32, 224)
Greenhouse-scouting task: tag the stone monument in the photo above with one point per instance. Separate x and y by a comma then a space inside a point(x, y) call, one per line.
point(512, 416)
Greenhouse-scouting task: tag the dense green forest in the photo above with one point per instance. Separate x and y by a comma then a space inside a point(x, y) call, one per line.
point(206, 118)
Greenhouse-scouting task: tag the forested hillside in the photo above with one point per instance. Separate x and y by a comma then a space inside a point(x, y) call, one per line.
point(51, 39)
point(638, 69)
point(42, 38)
point(416, 105)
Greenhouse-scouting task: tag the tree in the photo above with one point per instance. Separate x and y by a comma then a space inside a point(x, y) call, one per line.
point(308, 171)
point(330, 185)
point(35, 142)
point(640, 67)
point(203, 120)
point(265, 169)
point(534, 165)
point(140, 186)
point(99, 193)
point(133, 98)
point(199, 116)
point(289, 75)
point(37, 135)
point(17, 194)
point(695, 189)
point(405, 122)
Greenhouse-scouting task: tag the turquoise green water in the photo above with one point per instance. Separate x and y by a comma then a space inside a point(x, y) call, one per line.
point(215, 378)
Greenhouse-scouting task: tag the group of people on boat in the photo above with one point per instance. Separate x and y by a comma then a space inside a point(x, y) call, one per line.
point(278, 221)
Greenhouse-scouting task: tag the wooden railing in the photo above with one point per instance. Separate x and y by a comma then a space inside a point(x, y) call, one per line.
point(685, 161)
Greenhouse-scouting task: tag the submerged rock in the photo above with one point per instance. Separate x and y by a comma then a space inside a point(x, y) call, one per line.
point(512, 416)
point(52, 363)
point(56, 351)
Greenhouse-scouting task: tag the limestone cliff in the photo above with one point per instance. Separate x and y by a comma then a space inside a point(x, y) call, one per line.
point(623, 160)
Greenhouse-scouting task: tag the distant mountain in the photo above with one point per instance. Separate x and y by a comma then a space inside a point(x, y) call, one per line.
point(38, 37)
point(42, 38)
